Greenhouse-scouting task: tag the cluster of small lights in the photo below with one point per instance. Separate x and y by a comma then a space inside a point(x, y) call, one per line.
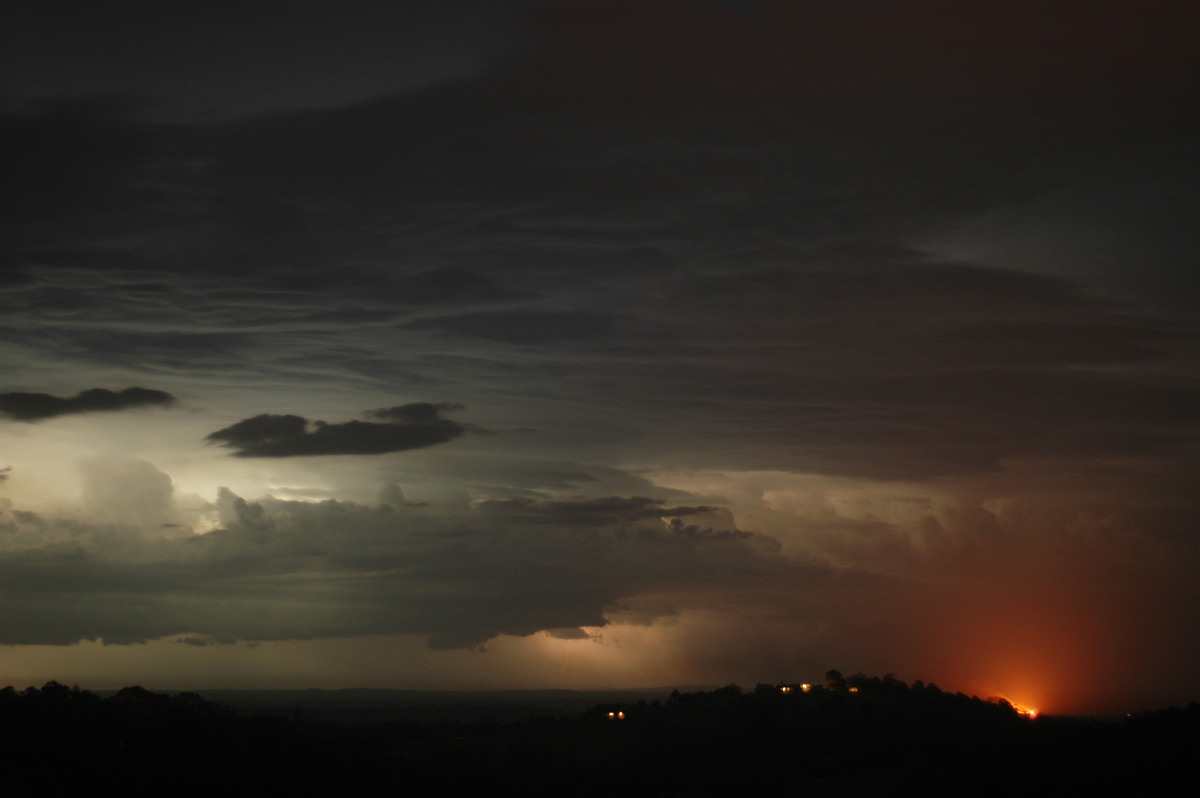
point(616, 715)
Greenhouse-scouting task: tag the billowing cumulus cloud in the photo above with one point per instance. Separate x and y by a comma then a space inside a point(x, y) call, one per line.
point(277, 570)
point(926, 580)
point(411, 426)
point(39, 406)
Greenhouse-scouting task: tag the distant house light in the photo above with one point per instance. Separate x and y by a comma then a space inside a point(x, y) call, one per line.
point(617, 715)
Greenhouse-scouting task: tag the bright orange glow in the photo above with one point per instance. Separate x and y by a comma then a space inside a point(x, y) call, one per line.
point(1028, 712)
point(1020, 709)
point(1021, 640)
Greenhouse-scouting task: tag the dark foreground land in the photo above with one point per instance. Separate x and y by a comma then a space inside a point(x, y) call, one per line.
point(885, 739)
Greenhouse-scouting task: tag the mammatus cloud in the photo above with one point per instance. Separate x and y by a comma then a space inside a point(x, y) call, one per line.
point(38, 406)
point(410, 426)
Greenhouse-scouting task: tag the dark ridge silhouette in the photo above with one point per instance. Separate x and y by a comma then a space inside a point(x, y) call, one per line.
point(411, 426)
point(885, 738)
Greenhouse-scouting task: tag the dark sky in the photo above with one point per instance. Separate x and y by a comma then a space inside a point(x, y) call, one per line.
point(601, 343)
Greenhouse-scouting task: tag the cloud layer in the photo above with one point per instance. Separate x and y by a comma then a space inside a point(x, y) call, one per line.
point(276, 570)
point(411, 426)
point(1004, 587)
point(39, 406)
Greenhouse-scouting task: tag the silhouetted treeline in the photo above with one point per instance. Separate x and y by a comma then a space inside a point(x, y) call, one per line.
point(860, 736)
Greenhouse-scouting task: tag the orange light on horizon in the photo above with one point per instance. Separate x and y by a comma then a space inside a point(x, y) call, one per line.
point(1020, 709)
point(1028, 712)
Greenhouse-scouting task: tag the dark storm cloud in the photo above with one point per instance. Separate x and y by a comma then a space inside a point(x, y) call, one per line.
point(697, 233)
point(522, 327)
point(416, 412)
point(906, 369)
point(526, 477)
point(694, 58)
point(38, 406)
point(446, 285)
point(67, 160)
point(279, 570)
point(214, 60)
point(412, 426)
point(601, 511)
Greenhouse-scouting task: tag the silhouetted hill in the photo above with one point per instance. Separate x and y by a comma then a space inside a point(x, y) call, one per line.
point(373, 706)
point(884, 739)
